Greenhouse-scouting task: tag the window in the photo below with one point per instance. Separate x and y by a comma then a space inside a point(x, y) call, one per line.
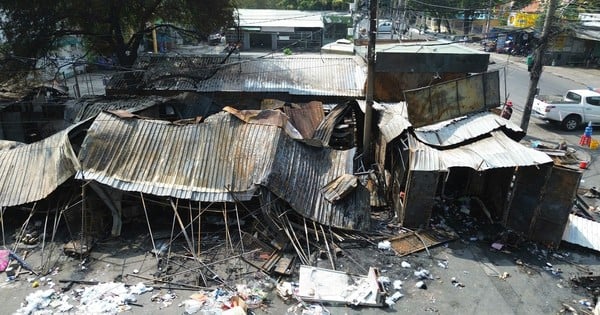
point(593, 100)
point(573, 97)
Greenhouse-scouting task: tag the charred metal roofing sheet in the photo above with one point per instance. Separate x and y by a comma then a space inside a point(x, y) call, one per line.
point(393, 119)
point(456, 131)
point(31, 172)
point(496, 151)
point(198, 162)
point(297, 75)
point(88, 107)
point(207, 161)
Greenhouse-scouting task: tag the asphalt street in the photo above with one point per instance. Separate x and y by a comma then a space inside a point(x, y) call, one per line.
point(554, 80)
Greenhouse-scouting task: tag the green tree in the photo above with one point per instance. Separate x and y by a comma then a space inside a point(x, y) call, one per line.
point(32, 28)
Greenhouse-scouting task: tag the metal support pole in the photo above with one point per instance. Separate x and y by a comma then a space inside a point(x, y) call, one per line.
point(367, 152)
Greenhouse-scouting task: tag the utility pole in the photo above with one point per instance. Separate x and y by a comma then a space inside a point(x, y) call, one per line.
point(487, 22)
point(536, 69)
point(367, 152)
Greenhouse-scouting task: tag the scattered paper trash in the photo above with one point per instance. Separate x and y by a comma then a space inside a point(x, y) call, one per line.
point(405, 264)
point(497, 246)
point(385, 245)
point(421, 285)
point(390, 301)
point(423, 274)
point(456, 283)
point(397, 284)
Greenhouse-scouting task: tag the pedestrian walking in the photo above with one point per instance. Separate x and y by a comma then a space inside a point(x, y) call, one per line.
point(529, 62)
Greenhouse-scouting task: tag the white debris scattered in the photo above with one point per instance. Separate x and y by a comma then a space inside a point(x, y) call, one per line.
point(397, 284)
point(36, 302)
point(421, 285)
point(105, 298)
point(140, 288)
point(191, 306)
point(390, 301)
point(384, 280)
point(385, 245)
point(423, 274)
point(443, 264)
point(405, 264)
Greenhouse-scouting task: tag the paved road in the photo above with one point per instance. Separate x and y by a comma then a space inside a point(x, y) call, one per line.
point(554, 80)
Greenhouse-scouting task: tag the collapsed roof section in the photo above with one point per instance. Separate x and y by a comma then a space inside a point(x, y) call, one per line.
point(495, 151)
point(31, 172)
point(223, 159)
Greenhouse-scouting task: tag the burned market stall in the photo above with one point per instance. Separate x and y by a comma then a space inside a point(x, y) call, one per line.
point(457, 149)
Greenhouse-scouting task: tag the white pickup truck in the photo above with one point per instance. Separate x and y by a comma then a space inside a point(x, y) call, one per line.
point(572, 110)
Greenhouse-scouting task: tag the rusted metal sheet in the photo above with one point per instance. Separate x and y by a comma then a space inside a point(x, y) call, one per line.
point(393, 120)
point(526, 196)
point(203, 162)
point(390, 86)
point(453, 99)
point(299, 172)
point(339, 187)
point(324, 132)
point(305, 117)
point(412, 242)
point(222, 156)
point(297, 75)
point(553, 211)
point(87, 107)
point(31, 172)
point(419, 198)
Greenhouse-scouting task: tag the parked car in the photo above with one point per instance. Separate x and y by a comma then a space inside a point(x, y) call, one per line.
point(214, 39)
point(385, 27)
point(571, 110)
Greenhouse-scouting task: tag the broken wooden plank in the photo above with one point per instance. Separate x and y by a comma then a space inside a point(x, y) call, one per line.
point(411, 242)
point(284, 265)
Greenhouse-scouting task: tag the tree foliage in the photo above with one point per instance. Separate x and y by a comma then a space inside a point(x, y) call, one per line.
point(33, 28)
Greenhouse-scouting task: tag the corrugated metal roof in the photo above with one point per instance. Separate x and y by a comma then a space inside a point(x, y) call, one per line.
point(324, 131)
point(393, 119)
point(456, 131)
point(583, 232)
point(297, 75)
point(194, 162)
point(207, 161)
point(496, 151)
point(280, 18)
point(87, 107)
point(31, 172)
point(298, 174)
point(305, 117)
